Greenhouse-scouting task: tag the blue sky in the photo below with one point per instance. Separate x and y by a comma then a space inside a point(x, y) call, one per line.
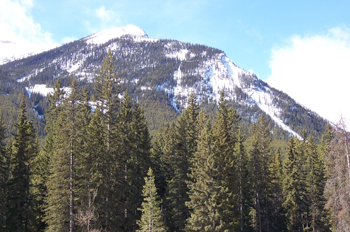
point(295, 46)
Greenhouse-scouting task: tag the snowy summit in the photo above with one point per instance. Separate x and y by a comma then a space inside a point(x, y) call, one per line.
point(104, 36)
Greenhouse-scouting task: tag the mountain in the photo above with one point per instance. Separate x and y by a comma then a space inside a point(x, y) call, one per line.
point(14, 50)
point(161, 74)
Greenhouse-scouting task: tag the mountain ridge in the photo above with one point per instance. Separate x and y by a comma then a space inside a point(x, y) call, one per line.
point(164, 69)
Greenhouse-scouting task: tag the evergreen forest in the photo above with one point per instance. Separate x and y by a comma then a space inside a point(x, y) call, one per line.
point(99, 168)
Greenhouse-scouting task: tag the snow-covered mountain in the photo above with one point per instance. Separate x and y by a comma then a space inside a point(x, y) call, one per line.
point(11, 50)
point(167, 69)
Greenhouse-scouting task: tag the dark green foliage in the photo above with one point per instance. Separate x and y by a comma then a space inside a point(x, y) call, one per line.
point(20, 215)
point(315, 180)
point(204, 189)
point(292, 199)
point(4, 174)
point(184, 146)
point(228, 170)
point(244, 192)
point(151, 213)
point(62, 180)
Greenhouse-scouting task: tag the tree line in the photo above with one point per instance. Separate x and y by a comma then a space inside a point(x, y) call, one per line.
point(99, 171)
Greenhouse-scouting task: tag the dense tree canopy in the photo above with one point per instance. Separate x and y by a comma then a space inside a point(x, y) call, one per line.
point(99, 171)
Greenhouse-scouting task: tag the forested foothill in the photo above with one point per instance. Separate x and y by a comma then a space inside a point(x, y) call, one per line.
point(99, 169)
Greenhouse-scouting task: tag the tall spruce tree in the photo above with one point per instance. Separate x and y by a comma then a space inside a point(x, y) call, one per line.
point(255, 160)
point(315, 180)
point(93, 174)
point(20, 216)
point(140, 160)
point(292, 200)
point(204, 186)
point(108, 87)
point(278, 220)
point(261, 159)
point(244, 184)
point(62, 180)
point(185, 136)
point(4, 175)
point(223, 150)
point(151, 214)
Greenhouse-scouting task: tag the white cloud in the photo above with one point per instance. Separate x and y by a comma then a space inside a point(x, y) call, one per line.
point(315, 71)
point(18, 26)
point(103, 14)
point(106, 19)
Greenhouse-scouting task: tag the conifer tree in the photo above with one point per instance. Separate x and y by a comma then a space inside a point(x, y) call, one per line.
point(256, 177)
point(244, 184)
point(20, 201)
point(261, 159)
point(292, 200)
point(315, 187)
point(185, 137)
point(151, 215)
point(177, 188)
point(40, 167)
point(63, 181)
point(157, 165)
point(278, 221)
point(223, 150)
point(93, 168)
point(140, 161)
point(108, 87)
point(204, 186)
point(130, 159)
point(4, 175)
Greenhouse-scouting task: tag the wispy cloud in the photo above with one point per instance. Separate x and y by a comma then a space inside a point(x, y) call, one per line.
point(104, 15)
point(315, 71)
point(18, 26)
point(103, 19)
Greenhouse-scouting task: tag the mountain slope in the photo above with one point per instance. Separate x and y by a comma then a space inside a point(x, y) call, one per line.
point(162, 74)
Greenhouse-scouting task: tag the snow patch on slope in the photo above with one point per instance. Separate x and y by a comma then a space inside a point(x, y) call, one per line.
point(264, 101)
point(33, 73)
point(181, 55)
point(43, 90)
point(221, 74)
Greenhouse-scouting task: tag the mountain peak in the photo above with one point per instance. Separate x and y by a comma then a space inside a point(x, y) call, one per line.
point(106, 35)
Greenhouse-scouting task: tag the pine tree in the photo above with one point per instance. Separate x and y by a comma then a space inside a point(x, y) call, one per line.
point(185, 136)
point(141, 141)
point(292, 200)
point(4, 175)
point(20, 201)
point(223, 150)
point(151, 214)
point(256, 163)
point(62, 180)
point(262, 176)
point(244, 184)
point(204, 186)
point(278, 220)
point(40, 173)
point(157, 164)
point(177, 188)
point(94, 164)
point(108, 87)
point(133, 147)
point(315, 180)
